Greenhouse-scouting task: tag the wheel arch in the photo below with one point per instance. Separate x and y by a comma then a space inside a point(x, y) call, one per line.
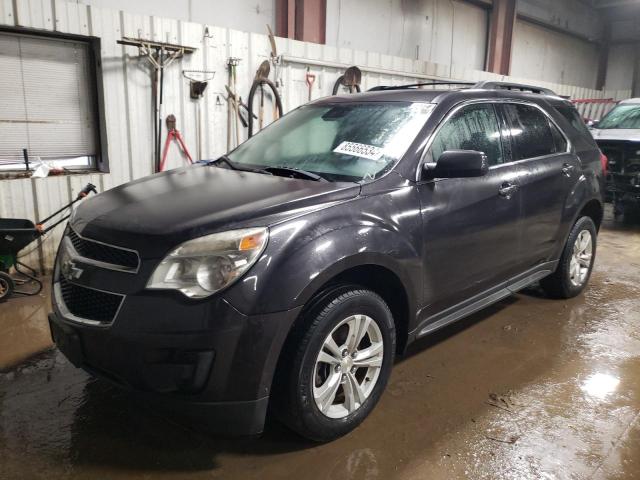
point(593, 209)
point(382, 281)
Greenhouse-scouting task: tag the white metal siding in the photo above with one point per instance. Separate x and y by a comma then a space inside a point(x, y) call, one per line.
point(543, 54)
point(442, 31)
point(127, 91)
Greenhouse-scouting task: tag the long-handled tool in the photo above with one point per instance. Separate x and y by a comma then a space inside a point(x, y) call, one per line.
point(259, 81)
point(262, 72)
point(160, 55)
point(232, 63)
point(275, 59)
point(309, 78)
point(198, 81)
point(244, 113)
point(261, 114)
point(351, 79)
point(173, 134)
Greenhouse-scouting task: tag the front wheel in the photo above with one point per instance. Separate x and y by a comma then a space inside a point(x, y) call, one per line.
point(576, 262)
point(339, 365)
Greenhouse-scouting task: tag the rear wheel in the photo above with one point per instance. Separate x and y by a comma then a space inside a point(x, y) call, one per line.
point(576, 262)
point(339, 364)
point(6, 286)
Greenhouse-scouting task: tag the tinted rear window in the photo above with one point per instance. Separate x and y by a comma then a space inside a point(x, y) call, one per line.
point(530, 132)
point(573, 117)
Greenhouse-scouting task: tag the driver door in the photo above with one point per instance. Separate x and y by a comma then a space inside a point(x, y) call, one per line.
point(471, 226)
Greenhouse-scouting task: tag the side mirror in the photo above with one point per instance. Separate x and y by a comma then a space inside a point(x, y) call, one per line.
point(458, 164)
point(592, 123)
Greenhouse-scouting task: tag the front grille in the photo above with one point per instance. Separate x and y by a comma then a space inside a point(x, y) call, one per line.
point(89, 304)
point(116, 256)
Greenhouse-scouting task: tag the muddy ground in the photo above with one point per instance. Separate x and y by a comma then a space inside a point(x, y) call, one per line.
point(530, 388)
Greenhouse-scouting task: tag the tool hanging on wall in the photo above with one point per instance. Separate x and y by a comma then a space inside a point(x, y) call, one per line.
point(173, 134)
point(263, 72)
point(233, 110)
point(309, 79)
point(244, 113)
point(351, 79)
point(198, 85)
point(275, 58)
point(160, 55)
point(259, 81)
point(198, 81)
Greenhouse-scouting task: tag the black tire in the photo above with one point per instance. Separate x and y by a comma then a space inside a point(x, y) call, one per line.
point(295, 404)
point(559, 284)
point(6, 286)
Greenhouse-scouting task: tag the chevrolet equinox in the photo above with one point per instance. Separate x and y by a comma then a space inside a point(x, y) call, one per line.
point(289, 273)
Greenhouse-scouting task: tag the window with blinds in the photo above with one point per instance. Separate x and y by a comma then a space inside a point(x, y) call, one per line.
point(48, 103)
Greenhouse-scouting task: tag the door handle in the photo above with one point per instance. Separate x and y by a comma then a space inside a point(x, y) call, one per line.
point(507, 189)
point(567, 169)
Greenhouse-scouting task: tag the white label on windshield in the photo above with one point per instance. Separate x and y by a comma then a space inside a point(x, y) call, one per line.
point(359, 150)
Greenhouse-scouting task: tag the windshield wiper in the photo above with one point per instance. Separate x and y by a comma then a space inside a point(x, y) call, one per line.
point(278, 170)
point(224, 159)
point(296, 172)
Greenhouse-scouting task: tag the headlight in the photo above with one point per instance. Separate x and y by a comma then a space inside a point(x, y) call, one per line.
point(208, 264)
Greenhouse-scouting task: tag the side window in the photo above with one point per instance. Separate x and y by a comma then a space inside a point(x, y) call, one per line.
point(531, 132)
point(474, 127)
point(573, 117)
point(558, 139)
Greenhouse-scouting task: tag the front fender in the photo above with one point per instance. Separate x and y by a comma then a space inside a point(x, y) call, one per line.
point(399, 259)
point(306, 253)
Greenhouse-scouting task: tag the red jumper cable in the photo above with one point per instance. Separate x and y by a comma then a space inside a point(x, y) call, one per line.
point(173, 133)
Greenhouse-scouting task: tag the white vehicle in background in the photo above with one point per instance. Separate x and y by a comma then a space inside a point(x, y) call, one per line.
point(618, 136)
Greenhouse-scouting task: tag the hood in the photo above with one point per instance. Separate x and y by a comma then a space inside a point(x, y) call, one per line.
point(162, 210)
point(629, 134)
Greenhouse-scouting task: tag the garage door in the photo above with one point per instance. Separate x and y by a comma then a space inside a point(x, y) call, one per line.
point(48, 102)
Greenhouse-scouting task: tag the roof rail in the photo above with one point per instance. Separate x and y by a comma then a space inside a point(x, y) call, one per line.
point(416, 85)
point(491, 85)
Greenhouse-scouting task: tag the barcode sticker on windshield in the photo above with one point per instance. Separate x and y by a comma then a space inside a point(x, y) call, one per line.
point(359, 150)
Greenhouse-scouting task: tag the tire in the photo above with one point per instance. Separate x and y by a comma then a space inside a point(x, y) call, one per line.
point(305, 379)
point(6, 286)
point(567, 281)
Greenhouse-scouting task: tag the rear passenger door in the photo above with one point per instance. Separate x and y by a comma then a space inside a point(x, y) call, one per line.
point(549, 172)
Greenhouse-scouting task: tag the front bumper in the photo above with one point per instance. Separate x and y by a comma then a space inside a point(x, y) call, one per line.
point(201, 358)
point(220, 376)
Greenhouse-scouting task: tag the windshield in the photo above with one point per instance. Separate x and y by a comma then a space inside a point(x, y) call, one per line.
point(622, 116)
point(341, 142)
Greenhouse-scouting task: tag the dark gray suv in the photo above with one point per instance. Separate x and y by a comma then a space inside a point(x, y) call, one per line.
point(291, 272)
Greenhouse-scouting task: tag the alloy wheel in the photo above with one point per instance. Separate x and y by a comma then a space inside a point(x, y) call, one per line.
point(348, 366)
point(581, 258)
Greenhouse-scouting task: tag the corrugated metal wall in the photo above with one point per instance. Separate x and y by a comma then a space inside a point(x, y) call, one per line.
point(127, 89)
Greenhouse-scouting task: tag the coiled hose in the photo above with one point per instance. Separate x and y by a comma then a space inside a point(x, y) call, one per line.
point(254, 87)
point(340, 82)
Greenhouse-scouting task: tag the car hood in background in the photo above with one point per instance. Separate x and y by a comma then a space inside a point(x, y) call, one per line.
point(631, 134)
point(157, 212)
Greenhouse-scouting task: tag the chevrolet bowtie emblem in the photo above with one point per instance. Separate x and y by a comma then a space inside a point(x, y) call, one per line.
point(70, 270)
